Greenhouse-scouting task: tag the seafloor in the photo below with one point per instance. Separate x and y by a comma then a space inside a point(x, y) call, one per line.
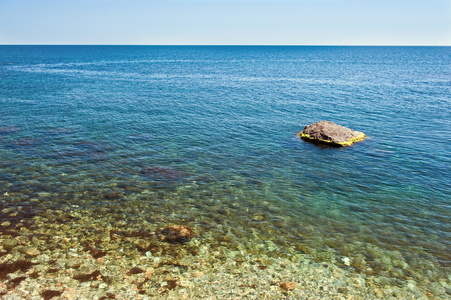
point(70, 252)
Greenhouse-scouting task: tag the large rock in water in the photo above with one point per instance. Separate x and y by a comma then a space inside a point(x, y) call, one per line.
point(329, 133)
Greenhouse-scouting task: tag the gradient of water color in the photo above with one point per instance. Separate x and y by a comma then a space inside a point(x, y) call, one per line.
point(207, 136)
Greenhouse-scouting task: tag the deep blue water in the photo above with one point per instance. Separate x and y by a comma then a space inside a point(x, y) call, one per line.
point(207, 135)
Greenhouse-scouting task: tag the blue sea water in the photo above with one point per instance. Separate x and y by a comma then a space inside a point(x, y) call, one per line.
point(207, 136)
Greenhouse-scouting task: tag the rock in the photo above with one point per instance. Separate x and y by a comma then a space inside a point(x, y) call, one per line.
point(74, 263)
point(49, 294)
point(287, 286)
point(142, 137)
point(162, 173)
point(176, 234)
point(258, 217)
point(32, 252)
point(135, 270)
point(96, 275)
point(113, 195)
point(9, 244)
point(25, 142)
point(8, 129)
point(169, 284)
point(57, 131)
point(325, 132)
point(346, 261)
point(148, 274)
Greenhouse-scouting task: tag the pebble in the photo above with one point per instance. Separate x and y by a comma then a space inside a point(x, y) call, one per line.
point(346, 261)
point(258, 217)
point(43, 258)
point(74, 263)
point(32, 252)
point(288, 286)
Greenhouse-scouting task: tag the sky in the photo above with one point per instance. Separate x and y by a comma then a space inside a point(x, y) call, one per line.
point(226, 22)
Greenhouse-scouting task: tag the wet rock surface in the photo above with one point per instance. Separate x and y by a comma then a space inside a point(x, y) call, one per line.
point(329, 133)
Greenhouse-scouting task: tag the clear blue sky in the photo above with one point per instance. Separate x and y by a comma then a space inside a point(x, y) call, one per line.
point(226, 22)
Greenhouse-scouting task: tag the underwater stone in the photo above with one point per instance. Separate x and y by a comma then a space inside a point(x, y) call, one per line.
point(74, 263)
point(95, 275)
point(25, 142)
point(9, 129)
point(7, 268)
point(176, 234)
point(329, 133)
point(258, 217)
point(57, 131)
point(32, 252)
point(113, 195)
point(135, 270)
point(9, 244)
point(49, 294)
point(163, 173)
point(346, 261)
point(287, 286)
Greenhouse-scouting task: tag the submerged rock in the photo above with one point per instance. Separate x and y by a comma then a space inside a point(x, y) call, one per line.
point(57, 131)
point(142, 137)
point(176, 234)
point(25, 142)
point(94, 146)
point(8, 129)
point(113, 195)
point(329, 133)
point(162, 173)
point(92, 156)
point(287, 286)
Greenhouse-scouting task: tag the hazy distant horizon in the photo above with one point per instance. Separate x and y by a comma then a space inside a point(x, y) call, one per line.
point(143, 45)
point(224, 45)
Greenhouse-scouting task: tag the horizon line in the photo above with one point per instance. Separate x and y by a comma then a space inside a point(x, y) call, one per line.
point(231, 45)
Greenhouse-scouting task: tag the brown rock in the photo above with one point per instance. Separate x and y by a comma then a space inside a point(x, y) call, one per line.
point(163, 173)
point(176, 234)
point(148, 274)
point(49, 294)
point(325, 132)
point(135, 270)
point(113, 195)
point(287, 286)
point(171, 284)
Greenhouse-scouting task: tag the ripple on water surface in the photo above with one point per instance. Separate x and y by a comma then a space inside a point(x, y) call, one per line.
point(208, 139)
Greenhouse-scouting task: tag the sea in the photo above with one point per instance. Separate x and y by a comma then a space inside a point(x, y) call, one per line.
point(207, 136)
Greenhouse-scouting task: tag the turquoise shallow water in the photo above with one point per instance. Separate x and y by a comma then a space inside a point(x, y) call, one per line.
point(206, 136)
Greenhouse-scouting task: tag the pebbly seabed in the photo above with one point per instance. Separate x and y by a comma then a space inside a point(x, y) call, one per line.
point(72, 253)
